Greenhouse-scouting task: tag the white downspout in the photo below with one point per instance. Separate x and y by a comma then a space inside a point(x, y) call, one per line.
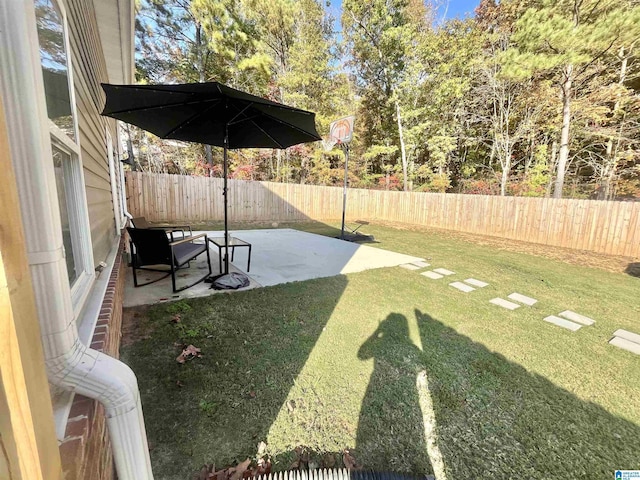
point(70, 364)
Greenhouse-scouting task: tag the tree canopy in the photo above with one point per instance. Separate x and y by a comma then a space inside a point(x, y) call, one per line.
point(525, 97)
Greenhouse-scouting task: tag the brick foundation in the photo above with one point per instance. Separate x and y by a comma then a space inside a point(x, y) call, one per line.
point(86, 449)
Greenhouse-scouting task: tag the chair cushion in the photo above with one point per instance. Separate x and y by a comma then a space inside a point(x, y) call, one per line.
point(186, 251)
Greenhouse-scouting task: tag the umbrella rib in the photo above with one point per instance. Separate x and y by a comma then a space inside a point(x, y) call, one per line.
point(243, 120)
point(190, 119)
point(165, 105)
point(267, 134)
point(288, 124)
point(250, 119)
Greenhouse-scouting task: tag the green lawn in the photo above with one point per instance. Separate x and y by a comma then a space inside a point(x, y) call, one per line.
point(408, 372)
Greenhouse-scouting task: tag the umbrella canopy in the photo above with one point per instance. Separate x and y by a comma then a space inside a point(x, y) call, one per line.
point(213, 114)
point(203, 112)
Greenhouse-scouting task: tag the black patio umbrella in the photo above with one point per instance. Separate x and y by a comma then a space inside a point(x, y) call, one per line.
point(213, 114)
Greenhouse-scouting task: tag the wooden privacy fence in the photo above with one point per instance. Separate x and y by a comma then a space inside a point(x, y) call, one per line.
point(598, 226)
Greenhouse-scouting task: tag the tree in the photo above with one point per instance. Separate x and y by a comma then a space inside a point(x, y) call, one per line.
point(379, 34)
point(565, 40)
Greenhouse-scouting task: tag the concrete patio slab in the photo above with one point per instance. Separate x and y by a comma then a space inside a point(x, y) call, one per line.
point(432, 275)
point(444, 271)
point(576, 317)
point(630, 336)
point(410, 266)
point(463, 287)
point(278, 256)
point(421, 264)
point(476, 283)
point(518, 297)
point(625, 344)
point(501, 302)
point(561, 322)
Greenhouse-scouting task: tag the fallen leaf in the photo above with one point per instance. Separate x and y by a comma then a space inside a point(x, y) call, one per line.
point(220, 475)
point(262, 448)
point(205, 472)
point(348, 460)
point(238, 471)
point(264, 467)
point(188, 353)
point(329, 461)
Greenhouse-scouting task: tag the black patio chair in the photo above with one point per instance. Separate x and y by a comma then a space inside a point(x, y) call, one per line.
point(151, 247)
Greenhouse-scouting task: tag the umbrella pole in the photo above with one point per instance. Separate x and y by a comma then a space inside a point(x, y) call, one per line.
point(226, 203)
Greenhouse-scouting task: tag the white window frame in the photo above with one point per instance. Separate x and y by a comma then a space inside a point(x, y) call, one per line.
point(74, 185)
point(114, 177)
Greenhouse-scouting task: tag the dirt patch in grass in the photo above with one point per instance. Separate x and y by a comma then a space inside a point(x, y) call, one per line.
point(135, 325)
point(609, 263)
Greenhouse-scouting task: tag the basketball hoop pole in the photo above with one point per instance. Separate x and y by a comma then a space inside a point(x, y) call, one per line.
point(344, 191)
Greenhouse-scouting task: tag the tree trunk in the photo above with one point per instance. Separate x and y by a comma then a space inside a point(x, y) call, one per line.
point(563, 157)
point(403, 152)
point(505, 177)
point(612, 154)
point(552, 165)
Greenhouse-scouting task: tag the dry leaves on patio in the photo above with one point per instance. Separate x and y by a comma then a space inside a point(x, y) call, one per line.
point(188, 353)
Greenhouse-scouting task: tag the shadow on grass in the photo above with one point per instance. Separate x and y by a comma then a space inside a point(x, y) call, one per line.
point(495, 419)
point(385, 439)
point(633, 269)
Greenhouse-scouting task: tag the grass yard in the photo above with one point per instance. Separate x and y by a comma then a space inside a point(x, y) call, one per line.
point(409, 373)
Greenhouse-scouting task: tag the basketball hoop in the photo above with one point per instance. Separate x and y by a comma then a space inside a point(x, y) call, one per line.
point(342, 129)
point(341, 132)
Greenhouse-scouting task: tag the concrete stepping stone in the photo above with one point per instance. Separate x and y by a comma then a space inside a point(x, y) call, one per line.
point(475, 283)
point(432, 275)
point(630, 336)
point(625, 344)
point(462, 287)
point(522, 299)
point(576, 317)
point(561, 322)
point(444, 271)
point(410, 266)
point(420, 264)
point(501, 302)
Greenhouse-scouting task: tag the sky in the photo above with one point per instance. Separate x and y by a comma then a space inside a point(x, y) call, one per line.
point(447, 9)
point(457, 8)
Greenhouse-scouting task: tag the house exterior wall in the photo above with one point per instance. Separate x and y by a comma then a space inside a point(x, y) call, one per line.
point(89, 68)
point(86, 451)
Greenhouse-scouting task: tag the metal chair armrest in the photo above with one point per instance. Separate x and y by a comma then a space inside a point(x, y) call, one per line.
point(189, 239)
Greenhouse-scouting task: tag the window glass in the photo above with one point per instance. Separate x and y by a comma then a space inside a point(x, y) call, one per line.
point(55, 69)
point(61, 164)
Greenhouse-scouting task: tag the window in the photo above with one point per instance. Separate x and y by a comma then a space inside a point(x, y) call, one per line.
point(58, 87)
point(62, 161)
point(55, 69)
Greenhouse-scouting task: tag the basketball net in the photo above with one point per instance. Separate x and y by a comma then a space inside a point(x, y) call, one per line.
point(329, 143)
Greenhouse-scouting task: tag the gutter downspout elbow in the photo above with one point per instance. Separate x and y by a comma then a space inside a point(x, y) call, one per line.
point(111, 382)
